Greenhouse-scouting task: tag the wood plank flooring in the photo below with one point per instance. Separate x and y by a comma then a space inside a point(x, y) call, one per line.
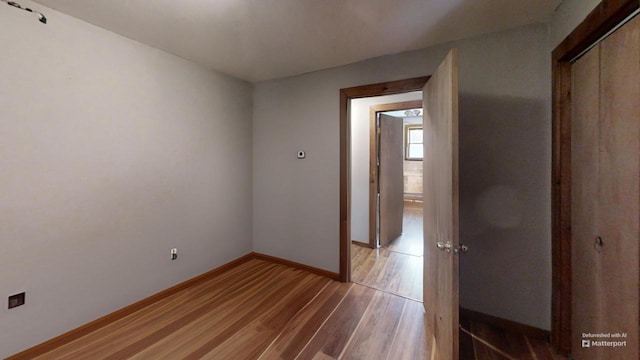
point(411, 241)
point(492, 343)
point(262, 310)
point(396, 267)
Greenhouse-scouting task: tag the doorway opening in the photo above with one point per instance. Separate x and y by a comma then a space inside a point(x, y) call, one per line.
point(386, 193)
point(346, 95)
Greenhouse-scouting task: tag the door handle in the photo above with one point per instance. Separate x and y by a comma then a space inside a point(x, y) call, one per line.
point(444, 246)
point(598, 244)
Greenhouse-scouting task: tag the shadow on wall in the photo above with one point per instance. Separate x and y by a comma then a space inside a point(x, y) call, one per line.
point(504, 207)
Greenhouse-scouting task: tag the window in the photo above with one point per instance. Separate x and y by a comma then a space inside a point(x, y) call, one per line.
point(413, 142)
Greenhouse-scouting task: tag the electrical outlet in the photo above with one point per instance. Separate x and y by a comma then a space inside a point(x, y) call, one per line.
point(16, 300)
point(174, 253)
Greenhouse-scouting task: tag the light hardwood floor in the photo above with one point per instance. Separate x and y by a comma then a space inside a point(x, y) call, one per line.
point(396, 267)
point(262, 310)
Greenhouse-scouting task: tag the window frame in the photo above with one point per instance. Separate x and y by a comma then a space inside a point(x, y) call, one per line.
point(407, 143)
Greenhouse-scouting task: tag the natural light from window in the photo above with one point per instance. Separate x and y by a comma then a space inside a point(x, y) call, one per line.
point(414, 148)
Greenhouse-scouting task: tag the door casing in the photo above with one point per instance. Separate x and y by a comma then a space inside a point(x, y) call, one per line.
point(346, 95)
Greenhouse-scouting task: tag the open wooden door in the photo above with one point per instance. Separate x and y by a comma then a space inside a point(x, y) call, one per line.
point(391, 180)
point(441, 245)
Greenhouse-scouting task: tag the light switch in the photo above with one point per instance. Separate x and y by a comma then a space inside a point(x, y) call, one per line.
point(301, 154)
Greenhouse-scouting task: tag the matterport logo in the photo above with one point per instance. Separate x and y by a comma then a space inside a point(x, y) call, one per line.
point(613, 340)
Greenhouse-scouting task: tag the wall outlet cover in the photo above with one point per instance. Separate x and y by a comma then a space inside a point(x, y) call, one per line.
point(16, 300)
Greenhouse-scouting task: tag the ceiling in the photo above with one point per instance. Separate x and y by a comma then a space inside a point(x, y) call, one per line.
point(265, 39)
point(403, 113)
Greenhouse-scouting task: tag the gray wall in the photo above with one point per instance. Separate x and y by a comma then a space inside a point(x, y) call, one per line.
point(568, 15)
point(505, 166)
point(505, 176)
point(111, 153)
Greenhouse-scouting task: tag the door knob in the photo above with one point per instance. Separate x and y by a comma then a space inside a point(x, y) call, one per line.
point(444, 246)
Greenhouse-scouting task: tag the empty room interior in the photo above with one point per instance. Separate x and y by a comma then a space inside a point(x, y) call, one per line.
point(285, 179)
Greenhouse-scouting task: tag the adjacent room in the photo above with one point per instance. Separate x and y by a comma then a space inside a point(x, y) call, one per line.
point(386, 193)
point(299, 179)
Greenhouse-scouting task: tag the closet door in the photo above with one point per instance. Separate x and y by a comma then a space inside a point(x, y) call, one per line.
point(620, 185)
point(585, 139)
point(605, 196)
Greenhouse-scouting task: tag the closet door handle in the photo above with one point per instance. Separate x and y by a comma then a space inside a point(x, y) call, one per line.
point(598, 244)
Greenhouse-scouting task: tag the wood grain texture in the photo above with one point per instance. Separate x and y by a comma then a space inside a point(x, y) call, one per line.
point(585, 135)
point(619, 181)
point(396, 267)
point(293, 264)
point(381, 321)
point(110, 318)
point(388, 271)
point(507, 325)
point(411, 241)
point(601, 20)
point(373, 155)
point(302, 328)
point(410, 341)
point(561, 209)
point(391, 178)
point(345, 186)
point(260, 310)
point(480, 340)
point(333, 336)
point(386, 88)
point(605, 189)
point(441, 223)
